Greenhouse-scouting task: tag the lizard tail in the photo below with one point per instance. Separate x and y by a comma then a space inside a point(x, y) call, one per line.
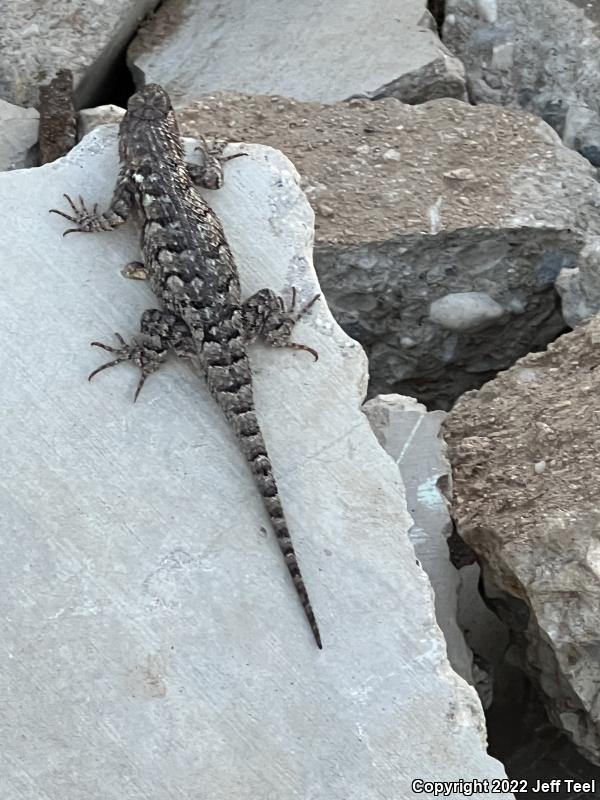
point(229, 379)
point(266, 483)
point(245, 424)
point(260, 463)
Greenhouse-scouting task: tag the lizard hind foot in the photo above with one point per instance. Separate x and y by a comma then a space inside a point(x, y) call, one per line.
point(146, 357)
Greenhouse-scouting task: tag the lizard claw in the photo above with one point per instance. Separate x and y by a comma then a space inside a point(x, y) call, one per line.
point(123, 353)
point(296, 316)
point(296, 346)
point(85, 220)
point(304, 308)
point(147, 359)
point(234, 155)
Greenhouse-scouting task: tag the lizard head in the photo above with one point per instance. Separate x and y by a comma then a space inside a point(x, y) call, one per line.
point(151, 104)
point(148, 110)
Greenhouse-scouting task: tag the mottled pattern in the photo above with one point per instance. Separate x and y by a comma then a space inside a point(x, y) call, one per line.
point(191, 270)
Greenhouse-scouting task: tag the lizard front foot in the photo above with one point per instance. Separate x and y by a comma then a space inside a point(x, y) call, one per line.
point(281, 337)
point(209, 173)
point(143, 354)
point(265, 314)
point(86, 221)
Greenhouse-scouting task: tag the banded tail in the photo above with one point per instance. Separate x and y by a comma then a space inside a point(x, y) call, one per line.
point(253, 447)
point(237, 403)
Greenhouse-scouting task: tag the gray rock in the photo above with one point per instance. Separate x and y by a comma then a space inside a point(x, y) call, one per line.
point(481, 200)
point(465, 311)
point(543, 57)
point(579, 288)
point(536, 532)
point(309, 50)
point(18, 136)
point(141, 588)
point(582, 131)
point(40, 38)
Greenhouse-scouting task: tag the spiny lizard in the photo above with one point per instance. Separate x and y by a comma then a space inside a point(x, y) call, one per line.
point(192, 272)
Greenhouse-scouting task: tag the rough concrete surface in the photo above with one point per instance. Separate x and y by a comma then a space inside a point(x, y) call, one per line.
point(153, 643)
point(310, 50)
point(416, 203)
point(18, 136)
point(38, 38)
point(542, 56)
point(525, 454)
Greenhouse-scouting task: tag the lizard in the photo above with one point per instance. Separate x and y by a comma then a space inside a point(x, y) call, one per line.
point(191, 270)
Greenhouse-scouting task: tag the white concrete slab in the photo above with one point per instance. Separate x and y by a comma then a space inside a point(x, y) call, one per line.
point(153, 646)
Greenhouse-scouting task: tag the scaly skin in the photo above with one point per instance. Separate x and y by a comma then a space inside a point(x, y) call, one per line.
point(192, 272)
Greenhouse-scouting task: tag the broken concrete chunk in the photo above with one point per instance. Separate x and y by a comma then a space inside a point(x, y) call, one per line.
point(139, 573)
point(18, 136)
point(543, 57)
point(308, 50)
point(536, 531)
point(410, 435)
point(90, 118)
point(40, 38)
point(479, 200)
point(465, 311)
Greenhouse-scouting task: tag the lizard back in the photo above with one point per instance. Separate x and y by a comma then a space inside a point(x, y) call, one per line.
point(192, 271)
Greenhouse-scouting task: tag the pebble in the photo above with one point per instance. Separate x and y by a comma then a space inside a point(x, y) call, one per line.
point(325, 210)
point(392, 155)
point(465, 311)
point(460, 174)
